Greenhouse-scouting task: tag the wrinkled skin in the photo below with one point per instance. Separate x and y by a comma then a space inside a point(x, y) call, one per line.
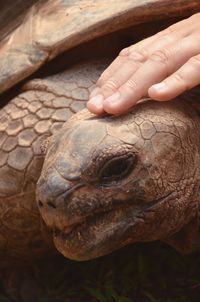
point(41, 107)
point(108, 182)
point(26, 123)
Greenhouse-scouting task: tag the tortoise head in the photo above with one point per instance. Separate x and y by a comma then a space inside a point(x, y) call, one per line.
point(110, 181)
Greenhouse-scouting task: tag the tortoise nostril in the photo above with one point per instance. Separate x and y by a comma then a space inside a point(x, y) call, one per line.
point(51, 205)
point(40, 203)
point(48, 201)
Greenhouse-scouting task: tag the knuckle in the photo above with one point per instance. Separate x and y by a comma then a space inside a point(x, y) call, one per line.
point(179, 79)
point(110, 85)
point(168, 35)
point(102, 79)
point(124, 52)
point(138, 54)
point(169, 30)
point(168, 39)
point(131, 84)
point(195, 62)
point(165, 32)
point(161, 55)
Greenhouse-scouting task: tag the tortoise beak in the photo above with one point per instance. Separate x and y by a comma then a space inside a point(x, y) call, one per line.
point(51, 194)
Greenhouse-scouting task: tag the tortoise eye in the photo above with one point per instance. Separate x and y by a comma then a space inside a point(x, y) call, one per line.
point(117, 168)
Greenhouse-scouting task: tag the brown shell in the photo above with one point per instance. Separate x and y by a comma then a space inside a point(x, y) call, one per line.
point(54, 26)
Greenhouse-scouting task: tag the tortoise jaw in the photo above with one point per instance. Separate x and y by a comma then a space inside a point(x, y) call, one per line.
point(80, 221)
point(106, 231)
point(93, 237)
point(85, 226)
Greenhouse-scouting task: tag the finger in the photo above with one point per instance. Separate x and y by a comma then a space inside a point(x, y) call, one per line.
point(159, 66)
point(137, 55)
point(185, 78)
point(121, 58)
point(96, 106)
point(115, 65)
point(125, 71)
point(95, 103)
point(157, 41)
point(132, 63)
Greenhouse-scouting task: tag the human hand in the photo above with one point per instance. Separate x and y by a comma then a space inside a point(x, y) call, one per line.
point(161, 66)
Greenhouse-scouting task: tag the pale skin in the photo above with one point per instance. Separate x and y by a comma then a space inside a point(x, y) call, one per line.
point(162, 67)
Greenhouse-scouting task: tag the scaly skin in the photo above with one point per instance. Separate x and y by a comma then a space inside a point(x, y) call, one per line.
point(25, 125)
point(30, 119)
point(108, 182)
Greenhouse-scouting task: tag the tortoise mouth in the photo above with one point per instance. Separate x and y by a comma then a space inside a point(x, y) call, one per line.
point(105, 231)
point(92, 237)
point(87, 221)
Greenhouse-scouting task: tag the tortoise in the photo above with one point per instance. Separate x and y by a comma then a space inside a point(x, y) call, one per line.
point(116, 176)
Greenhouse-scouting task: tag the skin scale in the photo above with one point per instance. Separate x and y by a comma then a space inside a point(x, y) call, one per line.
point(35, 114)
point(25, 124)
point(136, 179)
point(29, 120)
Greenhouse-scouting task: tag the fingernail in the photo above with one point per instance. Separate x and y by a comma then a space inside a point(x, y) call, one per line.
point(114, 98)
point(97, 100)
point(94, 92)
point(159, 87)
